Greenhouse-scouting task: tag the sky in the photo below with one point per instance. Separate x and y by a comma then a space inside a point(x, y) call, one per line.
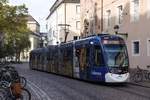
point(39, 9)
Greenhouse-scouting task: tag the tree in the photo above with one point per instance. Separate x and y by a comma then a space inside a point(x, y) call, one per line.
point(13, 25)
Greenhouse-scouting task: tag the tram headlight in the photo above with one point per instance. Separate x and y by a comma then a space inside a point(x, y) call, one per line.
point(91, 43)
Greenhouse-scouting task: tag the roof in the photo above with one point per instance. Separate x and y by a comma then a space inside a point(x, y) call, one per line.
point(30, 18)
point(58, 3)
point(43, 33)
point(35, 34)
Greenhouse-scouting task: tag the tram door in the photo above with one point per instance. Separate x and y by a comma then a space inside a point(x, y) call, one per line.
point(83, 57)
point(76, 70)
point(98, 69)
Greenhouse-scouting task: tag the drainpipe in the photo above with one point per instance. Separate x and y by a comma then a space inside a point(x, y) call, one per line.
point(101, 15)
point(65, 22)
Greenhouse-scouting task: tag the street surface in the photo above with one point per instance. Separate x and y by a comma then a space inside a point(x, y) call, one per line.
point(45, 86)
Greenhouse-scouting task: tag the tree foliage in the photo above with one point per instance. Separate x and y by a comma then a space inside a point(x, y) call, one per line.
point(13, 25)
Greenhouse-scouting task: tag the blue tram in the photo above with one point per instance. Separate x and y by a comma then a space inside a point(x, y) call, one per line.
point(102, 58)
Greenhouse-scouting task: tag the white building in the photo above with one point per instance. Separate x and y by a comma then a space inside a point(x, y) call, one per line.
point(64, 18)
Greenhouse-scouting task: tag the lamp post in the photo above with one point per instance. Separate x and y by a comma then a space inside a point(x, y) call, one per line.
point(66, 34)
point(66, 30)
point(15, 49)
point(1, 39)
point(101, 15)
point(116, 29)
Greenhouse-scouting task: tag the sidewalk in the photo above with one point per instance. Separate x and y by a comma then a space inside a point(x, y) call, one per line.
point(145, 83)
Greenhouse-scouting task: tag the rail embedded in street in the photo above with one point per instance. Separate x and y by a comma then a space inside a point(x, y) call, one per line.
point(140, 75)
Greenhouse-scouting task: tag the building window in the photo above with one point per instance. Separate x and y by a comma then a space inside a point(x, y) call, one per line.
point(120, 9)
point(148, 47)
point(108, 17)
point(75, 37)
point(77, 25)
point(136, 48)
point(134, 10)
point(78, 9)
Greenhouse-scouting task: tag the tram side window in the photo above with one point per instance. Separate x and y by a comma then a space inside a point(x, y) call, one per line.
point(66, 55)
point(83, 57)
point(47, 56)
point(98, 59)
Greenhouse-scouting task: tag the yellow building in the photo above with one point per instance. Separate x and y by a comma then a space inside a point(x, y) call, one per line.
point(34, 37)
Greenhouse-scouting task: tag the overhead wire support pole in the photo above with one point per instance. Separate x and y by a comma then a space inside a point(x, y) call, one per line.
point(101, 15)
point(65, 21)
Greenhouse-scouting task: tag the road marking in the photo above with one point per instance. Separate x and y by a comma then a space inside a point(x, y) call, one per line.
point(39, 91)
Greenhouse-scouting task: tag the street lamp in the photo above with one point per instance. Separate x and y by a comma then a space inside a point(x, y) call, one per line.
point(66, 30)
point(116, 29)
point(15, 49)
point(66, 34)
point(42, 41)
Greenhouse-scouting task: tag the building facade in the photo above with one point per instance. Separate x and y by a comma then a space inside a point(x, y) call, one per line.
point(63, 22)
point(34, 37)
point(44, 39)
point(132, 18)
point(34, 27)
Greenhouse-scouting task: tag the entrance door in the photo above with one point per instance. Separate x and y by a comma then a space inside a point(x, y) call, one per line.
point(76, 73)
point(84, 62)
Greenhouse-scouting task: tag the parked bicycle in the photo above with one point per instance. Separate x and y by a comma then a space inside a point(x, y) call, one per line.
point(141, 75)
point(12, 86)
point(13, 91)
point(10, 74)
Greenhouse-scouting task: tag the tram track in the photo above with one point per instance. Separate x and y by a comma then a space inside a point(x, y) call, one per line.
point(134, 93)
point(140, 85)
point(131, 88)
point(135, 89)
point(40, 94)
point(70, 89)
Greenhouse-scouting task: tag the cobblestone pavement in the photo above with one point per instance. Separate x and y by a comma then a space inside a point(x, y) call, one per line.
point(45, 86)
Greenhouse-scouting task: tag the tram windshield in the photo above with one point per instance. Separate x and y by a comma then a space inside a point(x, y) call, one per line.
point(116, 55)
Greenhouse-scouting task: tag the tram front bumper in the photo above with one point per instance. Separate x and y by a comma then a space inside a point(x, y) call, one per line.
point(116, 78)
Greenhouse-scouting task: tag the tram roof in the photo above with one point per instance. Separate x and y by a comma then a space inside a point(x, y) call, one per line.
point(99, 36)
point(90, 38)
point(69, 43)
point(39, 50)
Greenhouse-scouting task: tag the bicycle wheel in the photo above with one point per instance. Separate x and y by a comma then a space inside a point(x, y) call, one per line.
point(6, 96)
point(148, 76)
point(138, 77)
point(23, 81)
point(25, 95)
point(2, 93)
